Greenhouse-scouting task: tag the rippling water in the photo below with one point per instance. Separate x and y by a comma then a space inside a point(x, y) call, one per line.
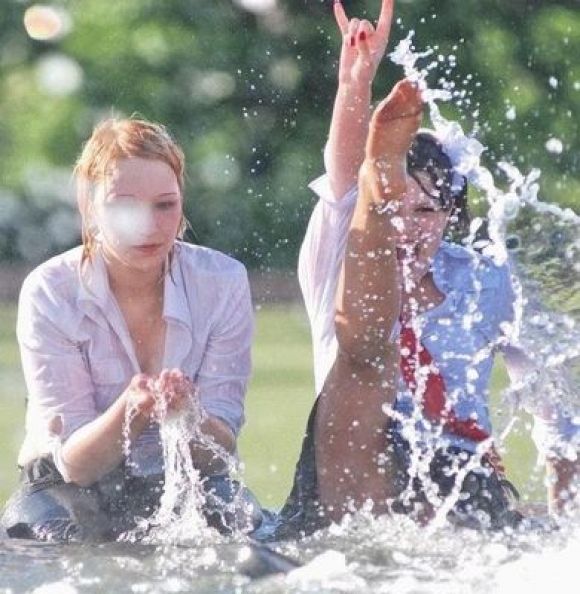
point(364, 554)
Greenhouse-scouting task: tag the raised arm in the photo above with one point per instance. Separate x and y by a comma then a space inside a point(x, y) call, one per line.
point(352, 459)
point(362, 49)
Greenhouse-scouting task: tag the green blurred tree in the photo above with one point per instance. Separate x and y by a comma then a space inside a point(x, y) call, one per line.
point(248, 95)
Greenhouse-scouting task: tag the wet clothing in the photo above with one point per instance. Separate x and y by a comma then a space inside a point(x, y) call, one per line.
point(78, 357)
point(77, 354)
point(46, 508)
point(485, 499)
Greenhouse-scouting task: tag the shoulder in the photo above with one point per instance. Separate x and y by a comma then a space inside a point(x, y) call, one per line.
point(467, 270)
point(55, 279)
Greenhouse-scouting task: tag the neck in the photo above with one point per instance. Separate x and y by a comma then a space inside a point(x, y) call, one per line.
point(126, 281)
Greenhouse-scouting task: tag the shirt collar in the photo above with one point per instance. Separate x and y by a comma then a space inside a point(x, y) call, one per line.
point(457, 268)
point(93, 283)
point(175, 302)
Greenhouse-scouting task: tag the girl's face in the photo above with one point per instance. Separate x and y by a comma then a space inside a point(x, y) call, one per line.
point(138, 210)
point(420, 222)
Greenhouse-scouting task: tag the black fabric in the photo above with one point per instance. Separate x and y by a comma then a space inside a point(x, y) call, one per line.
point(486, 500)
point(302, 513)
point(45, 507)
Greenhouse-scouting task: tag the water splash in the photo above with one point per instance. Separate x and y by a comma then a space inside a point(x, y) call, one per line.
point(545, 240)
point(179, 518)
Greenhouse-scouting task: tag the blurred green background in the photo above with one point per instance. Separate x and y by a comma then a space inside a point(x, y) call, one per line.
point(246, 87)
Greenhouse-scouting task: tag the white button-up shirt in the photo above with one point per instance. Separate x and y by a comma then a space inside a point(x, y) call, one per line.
point(78, 357)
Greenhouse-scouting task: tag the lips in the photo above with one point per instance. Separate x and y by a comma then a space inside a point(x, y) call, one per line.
point(148, 248)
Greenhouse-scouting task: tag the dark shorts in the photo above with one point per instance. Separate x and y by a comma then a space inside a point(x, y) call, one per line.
point(45, 507)
point(486, 499)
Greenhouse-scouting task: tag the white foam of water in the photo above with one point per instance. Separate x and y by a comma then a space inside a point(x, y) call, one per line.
point(553, 569)
point(61, 587)
point(329, 571)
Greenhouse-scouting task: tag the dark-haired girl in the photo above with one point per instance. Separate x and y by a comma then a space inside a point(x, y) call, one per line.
point(455, 310)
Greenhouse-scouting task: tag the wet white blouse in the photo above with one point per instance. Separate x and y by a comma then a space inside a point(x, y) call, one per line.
point(77, 354)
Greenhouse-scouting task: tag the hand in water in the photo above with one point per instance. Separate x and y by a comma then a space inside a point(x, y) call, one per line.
point(141, 396)
point(363, 46)
point(175, 389)
point(153, 397)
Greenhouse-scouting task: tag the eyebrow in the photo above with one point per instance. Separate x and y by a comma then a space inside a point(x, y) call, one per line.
point(114, 192)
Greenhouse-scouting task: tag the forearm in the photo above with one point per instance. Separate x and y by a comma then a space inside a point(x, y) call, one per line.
point(368, 296)
point(347, 135)
point(208, 458)
point(97, 447)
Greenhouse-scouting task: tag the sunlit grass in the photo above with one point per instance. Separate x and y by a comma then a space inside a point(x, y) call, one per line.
point(279, 399)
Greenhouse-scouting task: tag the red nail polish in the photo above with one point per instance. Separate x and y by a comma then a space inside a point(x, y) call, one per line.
point(362, 36)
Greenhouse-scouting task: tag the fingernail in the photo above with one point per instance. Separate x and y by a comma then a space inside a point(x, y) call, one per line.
point(362, 36)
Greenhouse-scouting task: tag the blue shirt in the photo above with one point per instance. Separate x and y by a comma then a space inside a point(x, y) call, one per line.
point(462, 334)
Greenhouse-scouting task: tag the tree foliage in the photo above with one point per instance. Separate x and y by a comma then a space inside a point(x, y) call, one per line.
point(248, 95)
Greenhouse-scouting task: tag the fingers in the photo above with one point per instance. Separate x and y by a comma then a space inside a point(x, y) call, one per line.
point(363, 40)
point(142, 382)
point(141, 395)
point(175, 387)
point(340, 16)
point(352, 32)
point(385, 18)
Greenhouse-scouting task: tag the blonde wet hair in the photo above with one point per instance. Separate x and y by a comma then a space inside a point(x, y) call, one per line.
point(114, 139)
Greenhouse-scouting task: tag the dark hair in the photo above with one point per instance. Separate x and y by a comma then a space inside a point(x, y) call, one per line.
point(426, 155)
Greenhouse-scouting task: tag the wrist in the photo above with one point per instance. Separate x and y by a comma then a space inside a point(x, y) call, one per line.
point(355, 86)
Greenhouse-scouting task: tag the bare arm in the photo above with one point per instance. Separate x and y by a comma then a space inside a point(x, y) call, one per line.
point(362, 49)
point(563, 483)
point(96, 448)
point(353, 463)
point(205, 457)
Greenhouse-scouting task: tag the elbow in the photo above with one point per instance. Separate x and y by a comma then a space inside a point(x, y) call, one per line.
point(80, 475)
point(365, 345)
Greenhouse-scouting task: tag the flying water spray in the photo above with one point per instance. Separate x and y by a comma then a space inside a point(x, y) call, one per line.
point(542, 242)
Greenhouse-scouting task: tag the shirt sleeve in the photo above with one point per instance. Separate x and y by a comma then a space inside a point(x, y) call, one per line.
point(226, 366)
point(319, 264)
point(60, 389)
